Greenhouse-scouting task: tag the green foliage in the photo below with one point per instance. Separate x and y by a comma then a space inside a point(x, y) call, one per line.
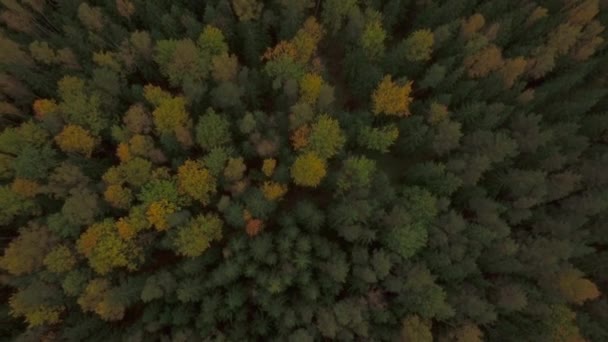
point(196, 236)
point(212, 130)
point(236, 170)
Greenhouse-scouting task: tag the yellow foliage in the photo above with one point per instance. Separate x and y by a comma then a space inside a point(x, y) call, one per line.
point(35, 315)
point(308, 170)
point(43, 107)
point(76, 139)
point(247, 215)
point(310, 87)
point(196, 181)
point(122, 152)
point(104, 248)
point(273, 191)
point(170, 115)
point(25, 187)
point(307, 38)
point(269, 166)
point(300, 137)
point(391, 99)
point(155, 95)
point(158, 212)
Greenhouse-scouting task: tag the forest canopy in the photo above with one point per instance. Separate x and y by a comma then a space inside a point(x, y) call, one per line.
point(304, 170)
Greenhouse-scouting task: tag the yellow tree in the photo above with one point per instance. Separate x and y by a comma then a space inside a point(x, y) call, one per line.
point(196, 181)
point(273, 191)
point(104, 248)
point(74, 138)
point(308, 170)
point(392, 99)
point(158, 212)
point(268, 167)
point(310, 87)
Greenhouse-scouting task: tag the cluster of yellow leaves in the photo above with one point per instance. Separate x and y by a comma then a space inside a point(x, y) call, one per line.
point(60, 260)
point(391, 99)
point(74, 138)
point(310, 87)
point(170, 112)
point(158, 212)
point(268, 167)
point(196, 181)
point(43, 107)
point(25, 187)
point(105, 249)
point(300, 137)
point(273, 191)
point(308, 170)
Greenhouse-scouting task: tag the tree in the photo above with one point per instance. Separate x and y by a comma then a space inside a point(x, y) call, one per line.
point(372, 39)
point(76, 139)
point(39, 303)
point(60, 259)
point(26, 253)
point(576, 289)
point(392, 99)
point(326, 138)
point(357, 172)
point(378, 138)
point(170, 115)
point(269, 166)
point(212, 130)
point(196, 181)
point(104, 248)
point(273, 191)
point(483, 62)
point(419, 45)
point(415, 329)
point(196, 236)
point(308, 170)
point(247, 9)
point(310, 88)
